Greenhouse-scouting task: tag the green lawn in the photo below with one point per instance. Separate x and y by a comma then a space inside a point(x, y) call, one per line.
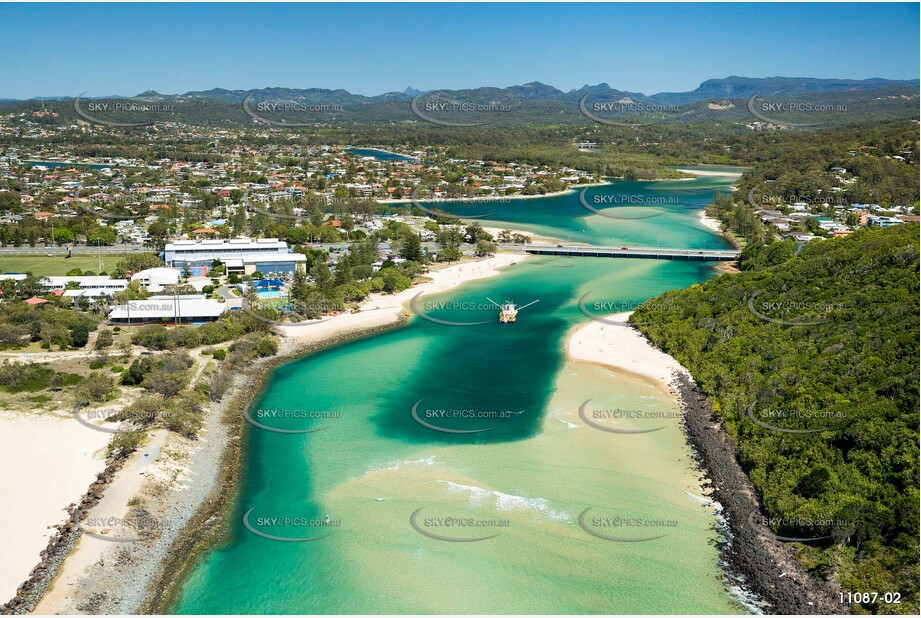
point(57, 265)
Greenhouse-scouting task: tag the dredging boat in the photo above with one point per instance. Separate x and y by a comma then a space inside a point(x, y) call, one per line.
point(508, 311)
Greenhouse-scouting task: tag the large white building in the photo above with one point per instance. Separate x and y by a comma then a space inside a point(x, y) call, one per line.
point(168, 309)
point(155, 279)
point(239, 255)
point(89, 283)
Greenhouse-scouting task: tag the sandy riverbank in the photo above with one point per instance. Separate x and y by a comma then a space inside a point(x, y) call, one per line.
point(767, 566)
point(47, 463)
point(172, 478)
point(163, 484)
point(717, 226)
point(616, 344)
point(535, 238)
point(697, 172)
point(495, 198)
point(383, 309)
point(710, 223)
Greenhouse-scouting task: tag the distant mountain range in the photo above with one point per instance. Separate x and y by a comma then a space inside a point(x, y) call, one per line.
point(534, 103)
point(730, 87)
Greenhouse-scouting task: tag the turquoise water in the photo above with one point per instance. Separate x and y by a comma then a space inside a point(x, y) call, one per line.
point(380, 155)
point(54, 164)
point(649, 213)
point(355, 483)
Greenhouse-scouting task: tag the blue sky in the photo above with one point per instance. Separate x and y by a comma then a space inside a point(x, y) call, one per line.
point(65, 49)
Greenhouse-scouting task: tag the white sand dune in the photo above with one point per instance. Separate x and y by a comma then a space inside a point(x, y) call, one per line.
point(623, 348)
point(48, 462)
point(382, 309)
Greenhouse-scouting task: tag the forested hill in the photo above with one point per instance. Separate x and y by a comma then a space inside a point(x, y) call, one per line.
point(812, 364)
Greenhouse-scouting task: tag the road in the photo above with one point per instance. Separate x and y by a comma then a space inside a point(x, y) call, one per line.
point(77, 250)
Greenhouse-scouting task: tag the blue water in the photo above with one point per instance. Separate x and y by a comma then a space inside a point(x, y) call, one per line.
point(372, 465)
point(54, 164)
point(380, 155)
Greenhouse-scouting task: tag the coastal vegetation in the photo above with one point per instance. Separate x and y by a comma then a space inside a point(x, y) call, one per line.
point(810, 359)
point(805, 167)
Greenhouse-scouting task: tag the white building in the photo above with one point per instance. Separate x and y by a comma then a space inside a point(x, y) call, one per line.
point(240, 255)
point(87, 283)
point(168, 310)
point(155, 279)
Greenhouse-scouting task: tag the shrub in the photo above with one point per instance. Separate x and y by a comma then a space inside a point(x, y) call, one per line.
point(79, 335)
point(220, 382)
point(104, 339)
point(184, 414)
point(143, 411)
point(220, 354)
point(123, 444)
point(267, 347)
point(95, 387)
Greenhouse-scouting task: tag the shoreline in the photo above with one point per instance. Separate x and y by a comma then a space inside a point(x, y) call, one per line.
point(767, 567)
point(210, 524)
point(201, 535)
point(490, 198)
point(396, 154)
point(192, 515)
point(154, 579)
point(699, 172)
point(39, 447)
point(387, 309)
point(717, 226)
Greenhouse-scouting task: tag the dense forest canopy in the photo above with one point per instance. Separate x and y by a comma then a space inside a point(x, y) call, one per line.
point(825, 342)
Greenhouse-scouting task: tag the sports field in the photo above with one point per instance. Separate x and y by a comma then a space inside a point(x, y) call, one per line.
point(57, 265)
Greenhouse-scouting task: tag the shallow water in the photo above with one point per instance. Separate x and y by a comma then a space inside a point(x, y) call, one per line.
point(525, 474)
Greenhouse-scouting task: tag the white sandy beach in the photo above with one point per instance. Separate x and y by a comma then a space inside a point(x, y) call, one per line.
point(382, 309)
point(623, 348)
point(48, 462)
point(698, 172)
point(492, 198)
point(710, 222)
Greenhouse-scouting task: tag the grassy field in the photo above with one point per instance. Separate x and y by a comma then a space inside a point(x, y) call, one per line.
point(57, 265)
